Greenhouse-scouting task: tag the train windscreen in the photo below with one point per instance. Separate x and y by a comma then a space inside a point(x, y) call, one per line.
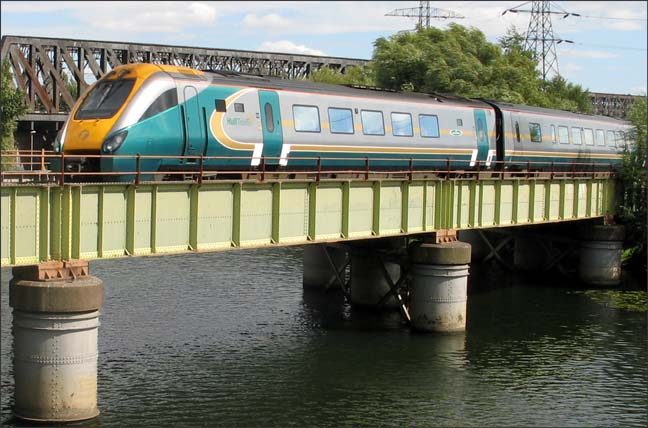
point(105, 99)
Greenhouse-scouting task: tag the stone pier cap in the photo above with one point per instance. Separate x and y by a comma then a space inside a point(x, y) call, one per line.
point(55, 287)
point(452, 253)
point(603, 232)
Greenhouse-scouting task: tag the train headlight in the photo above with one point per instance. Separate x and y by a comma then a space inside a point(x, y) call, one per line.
point(113, 143)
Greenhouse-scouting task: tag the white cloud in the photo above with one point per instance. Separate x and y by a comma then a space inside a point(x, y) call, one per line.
point(271, 23)
point(112, 20)
point(286, 46)
point(172, 17)
point(570, 71)
point(638, 90)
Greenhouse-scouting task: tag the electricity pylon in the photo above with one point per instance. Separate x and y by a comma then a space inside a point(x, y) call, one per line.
point(425, 13)
point(540, 37)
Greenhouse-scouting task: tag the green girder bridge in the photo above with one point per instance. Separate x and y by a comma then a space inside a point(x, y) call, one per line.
point(45, 222)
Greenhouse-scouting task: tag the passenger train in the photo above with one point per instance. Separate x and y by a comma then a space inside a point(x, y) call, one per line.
point(172, 116)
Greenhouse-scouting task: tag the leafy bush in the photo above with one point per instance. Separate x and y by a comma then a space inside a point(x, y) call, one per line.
point(12, 106)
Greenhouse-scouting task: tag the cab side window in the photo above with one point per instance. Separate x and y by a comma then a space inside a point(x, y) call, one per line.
point(165, 101)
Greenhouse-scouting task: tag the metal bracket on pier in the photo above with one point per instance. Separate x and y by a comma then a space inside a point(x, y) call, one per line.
point(441, 236)
point(52, 271)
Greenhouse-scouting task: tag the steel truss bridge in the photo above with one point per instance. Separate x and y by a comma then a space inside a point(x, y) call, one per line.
point(53, 72)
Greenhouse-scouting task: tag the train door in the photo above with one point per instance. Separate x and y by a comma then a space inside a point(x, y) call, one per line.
point(271, 124)
point(481, 134)
point(194, 134)
point(516, 135)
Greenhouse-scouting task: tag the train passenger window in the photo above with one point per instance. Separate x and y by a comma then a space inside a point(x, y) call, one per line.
point(306, 118)
point(535, 132)
point(429, 124)
point(576, 135)
point(165, 101)
point(459, 122)
point(610, 139)
point(239, 107)
point(402, 124)
point(269, 116)
point(340, 120)
point(553, 134)
point(372, 122)
point(219, 105)
point(589, 137)
point(517, 132)
point(620, 138)
point(600, 137)
point(563, 135)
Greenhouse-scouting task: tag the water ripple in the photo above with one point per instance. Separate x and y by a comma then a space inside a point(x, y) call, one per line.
point(231, 339)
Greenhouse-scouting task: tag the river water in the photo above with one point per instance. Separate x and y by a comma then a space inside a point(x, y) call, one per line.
point(231, 339)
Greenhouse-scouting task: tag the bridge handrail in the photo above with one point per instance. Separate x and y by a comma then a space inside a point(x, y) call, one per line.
point(36, 168)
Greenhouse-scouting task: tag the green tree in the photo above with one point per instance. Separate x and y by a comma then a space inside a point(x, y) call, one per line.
point(567, 96)
point(634, 177)
point(461, 61)
point(352, 76)
point(12, 106)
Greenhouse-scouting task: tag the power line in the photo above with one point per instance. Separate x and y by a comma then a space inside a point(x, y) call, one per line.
point(616, 19)
point(424, 13)
point(612, 47)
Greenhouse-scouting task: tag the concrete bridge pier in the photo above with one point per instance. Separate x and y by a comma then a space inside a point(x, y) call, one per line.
point(324, 266)
point(600, 255)
point(55, 326)
point(439, 287)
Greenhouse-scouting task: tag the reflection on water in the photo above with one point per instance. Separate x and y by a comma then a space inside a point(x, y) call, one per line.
point(231, 339)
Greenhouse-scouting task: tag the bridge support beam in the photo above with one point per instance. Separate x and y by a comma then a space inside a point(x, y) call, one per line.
point(373, 275)
point(600, 255)
point(439, 287)
point(529, 254)
point(55, 325)
point(478, 247)
point(324, 266)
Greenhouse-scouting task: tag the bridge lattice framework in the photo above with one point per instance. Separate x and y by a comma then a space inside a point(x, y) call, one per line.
point(53, 72)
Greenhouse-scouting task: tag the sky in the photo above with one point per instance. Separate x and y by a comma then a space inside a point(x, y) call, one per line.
point(608, 53)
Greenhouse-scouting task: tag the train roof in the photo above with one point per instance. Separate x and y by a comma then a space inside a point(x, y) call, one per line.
point(547, 111)
point(326, 88)
point(243, 79)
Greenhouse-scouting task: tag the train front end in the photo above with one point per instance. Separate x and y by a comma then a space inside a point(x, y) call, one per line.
point(97, 127)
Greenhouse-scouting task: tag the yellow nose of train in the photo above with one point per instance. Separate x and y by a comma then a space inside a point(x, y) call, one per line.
point(96, 112)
